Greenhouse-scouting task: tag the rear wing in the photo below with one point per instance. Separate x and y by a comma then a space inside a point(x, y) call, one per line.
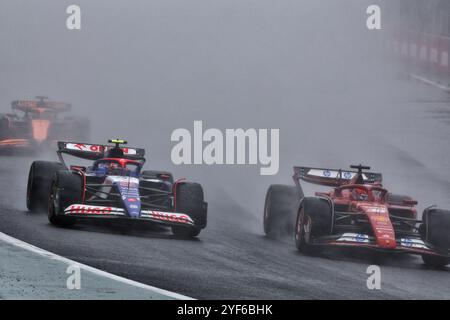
point(40, 106)
point(333, 177)
point(96, 151)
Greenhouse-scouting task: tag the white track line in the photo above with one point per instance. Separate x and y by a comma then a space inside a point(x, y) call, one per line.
point(53, 256)
point(430, 82)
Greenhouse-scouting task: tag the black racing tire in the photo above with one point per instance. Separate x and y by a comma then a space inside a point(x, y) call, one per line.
point(67, 189)
point(435, 262)
point(186, 232)
point(190, 201)
point(435, 230)
point(154, 174)
point(280, 207)
point(40, 179)
point(314, 219)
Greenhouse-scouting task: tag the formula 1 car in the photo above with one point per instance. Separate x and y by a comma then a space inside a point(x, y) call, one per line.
point(39, 125)
point(114, 187)
point(358, 212)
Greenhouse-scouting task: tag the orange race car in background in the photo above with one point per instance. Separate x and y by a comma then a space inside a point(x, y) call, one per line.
point(39, 125)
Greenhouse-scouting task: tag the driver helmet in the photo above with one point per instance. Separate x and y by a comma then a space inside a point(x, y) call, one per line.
point(113, 168)
point(360, 194)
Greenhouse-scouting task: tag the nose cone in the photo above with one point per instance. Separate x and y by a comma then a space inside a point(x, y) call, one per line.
point(133, 206)
point(382, 227)
point(129, 191)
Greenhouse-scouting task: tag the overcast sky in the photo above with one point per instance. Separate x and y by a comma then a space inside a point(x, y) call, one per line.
point(141, 69)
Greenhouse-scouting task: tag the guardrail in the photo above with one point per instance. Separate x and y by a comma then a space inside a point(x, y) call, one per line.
point(424, 54)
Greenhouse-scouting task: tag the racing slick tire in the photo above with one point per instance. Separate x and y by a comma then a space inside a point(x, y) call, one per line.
point(314, 219)
point(190, 200)
point(280, 207)
point(435, 229)
point(66, 189)
point(153, 174)
point(40, 179)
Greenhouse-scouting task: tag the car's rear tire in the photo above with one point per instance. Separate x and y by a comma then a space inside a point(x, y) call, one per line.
point(435, 230)
point(280, 207)
point(314, 219)
point(67, 189)
point(190, 200)
point(40, 179)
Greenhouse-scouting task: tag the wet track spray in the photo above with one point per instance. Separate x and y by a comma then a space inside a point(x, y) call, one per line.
point(311, 69)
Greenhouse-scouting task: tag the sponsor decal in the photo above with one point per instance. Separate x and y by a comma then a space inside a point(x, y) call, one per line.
point(326, 173)
point(80, 209)
point(413, 243)
point(347, 175)
point(360, 237)
point(84, 147)
point(354, 237)
point(170, 217)
point(406, 242)
point(96, 148)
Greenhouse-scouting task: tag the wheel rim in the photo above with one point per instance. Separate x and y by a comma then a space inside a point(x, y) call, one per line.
point(54, 202)
point(266, 213)
point(30, 186)
point(307, 229)
point(303, 228)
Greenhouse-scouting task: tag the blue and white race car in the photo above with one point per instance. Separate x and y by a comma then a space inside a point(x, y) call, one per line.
point(114, 187)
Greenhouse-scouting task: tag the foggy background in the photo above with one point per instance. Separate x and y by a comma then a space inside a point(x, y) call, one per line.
point(141, 69)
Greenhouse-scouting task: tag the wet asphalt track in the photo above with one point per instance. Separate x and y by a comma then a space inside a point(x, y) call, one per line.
point(232, 259)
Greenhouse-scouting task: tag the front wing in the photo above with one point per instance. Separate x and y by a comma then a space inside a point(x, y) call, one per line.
point(167, 218)
point(410, 245)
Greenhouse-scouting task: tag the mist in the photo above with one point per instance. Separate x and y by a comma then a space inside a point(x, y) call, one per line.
point(141, 69)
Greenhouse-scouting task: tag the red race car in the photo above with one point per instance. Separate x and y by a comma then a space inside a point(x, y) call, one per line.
point(358, 212)
point(39, 125)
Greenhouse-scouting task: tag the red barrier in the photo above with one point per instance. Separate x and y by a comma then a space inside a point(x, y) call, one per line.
point(423, 53)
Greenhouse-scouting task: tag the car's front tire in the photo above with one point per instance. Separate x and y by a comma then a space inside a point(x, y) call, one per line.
point(280, 207)
point(190, 200)
point(39, 182)
point(435, 230)
point(435, 262)
point(314, 219)
point(66, 190)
